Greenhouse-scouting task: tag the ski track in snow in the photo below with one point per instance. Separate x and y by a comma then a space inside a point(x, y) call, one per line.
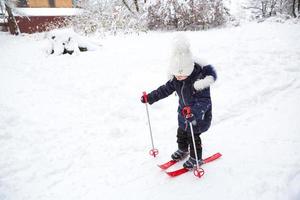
point(72, 127)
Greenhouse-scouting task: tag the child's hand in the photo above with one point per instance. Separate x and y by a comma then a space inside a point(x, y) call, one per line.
point(144, 98)
point(188, 115)
point(190, 118)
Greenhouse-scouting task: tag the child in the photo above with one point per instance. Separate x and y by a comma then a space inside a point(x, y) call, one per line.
point(191, 81)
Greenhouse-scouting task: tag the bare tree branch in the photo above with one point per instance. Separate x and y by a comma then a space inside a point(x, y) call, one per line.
point(127, 6)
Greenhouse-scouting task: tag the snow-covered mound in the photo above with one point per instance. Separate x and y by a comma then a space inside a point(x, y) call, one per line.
point(66, 41)
point(72, 127)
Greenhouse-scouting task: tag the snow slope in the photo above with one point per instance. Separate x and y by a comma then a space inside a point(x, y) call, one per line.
point(72, 126)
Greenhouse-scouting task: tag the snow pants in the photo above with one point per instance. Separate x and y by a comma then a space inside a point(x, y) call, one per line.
point(185, 142)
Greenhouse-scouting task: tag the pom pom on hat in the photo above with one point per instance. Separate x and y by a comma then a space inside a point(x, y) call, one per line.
point(181, 59)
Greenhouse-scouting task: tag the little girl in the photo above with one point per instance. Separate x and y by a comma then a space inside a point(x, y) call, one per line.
point(191, 81)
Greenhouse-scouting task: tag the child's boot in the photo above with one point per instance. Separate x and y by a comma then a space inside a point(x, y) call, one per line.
point(179, 155)
point(191, 163)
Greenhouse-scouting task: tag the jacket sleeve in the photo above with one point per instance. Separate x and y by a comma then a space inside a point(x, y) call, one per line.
point(161, 92)
point(209, 70)
point(206, 78)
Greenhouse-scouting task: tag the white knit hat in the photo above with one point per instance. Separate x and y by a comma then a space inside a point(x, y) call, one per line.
point(181, 59)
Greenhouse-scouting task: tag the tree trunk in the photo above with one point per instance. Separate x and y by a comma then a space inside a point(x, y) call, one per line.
point(12, 23)
point(299, 7)
point(263, 8)
point(136, 5)
point(280, 6)
point(273, 4)
point(294, 8)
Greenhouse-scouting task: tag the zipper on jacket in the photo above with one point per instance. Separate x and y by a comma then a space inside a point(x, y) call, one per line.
point(182, 94)
point(184, 103)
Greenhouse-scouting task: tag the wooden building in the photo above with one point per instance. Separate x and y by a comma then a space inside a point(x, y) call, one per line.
point(32, 16)
point(38, 19)
point(46, 3)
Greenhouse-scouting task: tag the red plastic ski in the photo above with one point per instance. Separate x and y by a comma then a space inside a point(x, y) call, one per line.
point(167, 164)
point(184, 170)
point(177, 172)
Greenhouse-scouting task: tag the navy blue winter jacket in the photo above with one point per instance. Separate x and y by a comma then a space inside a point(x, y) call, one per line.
point(199, 101)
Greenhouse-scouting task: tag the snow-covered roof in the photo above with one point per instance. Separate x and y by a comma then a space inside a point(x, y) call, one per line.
point(47, 11)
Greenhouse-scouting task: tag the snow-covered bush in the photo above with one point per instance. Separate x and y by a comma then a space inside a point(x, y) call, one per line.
point(184, 15)
point(279, 18)
point(268, 8)
point(106, 17)
point(66, 41)
point(111, 16)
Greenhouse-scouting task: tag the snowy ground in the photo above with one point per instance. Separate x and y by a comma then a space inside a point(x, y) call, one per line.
point(72, 126)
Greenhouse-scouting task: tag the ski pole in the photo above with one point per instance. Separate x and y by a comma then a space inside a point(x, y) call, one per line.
point(199, 172)
point(153, 152)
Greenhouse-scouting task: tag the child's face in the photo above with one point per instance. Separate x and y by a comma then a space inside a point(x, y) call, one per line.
point(181, 78)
